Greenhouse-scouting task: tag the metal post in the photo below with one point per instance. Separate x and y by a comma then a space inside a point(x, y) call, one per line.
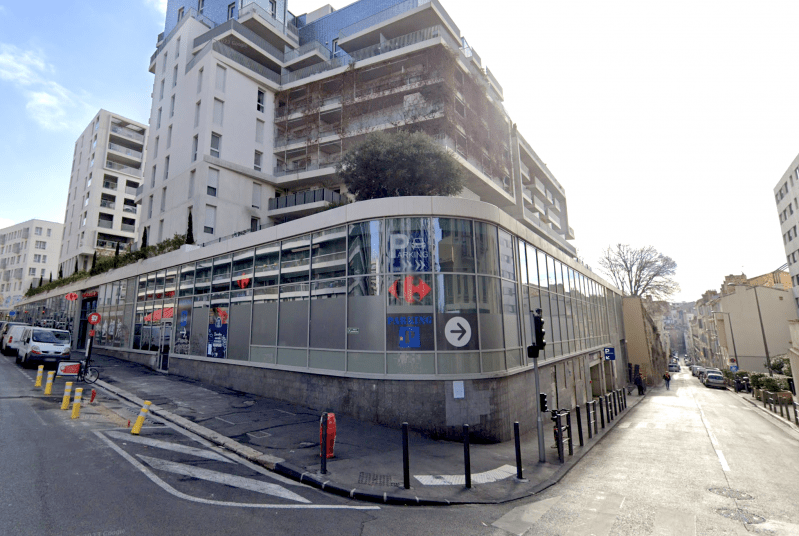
point(542, 454)
point(559, 436)
point(624, 396)
point(579, 425)
point(615, 395)
point(406, 466)
point(596, 423)
point(517, 440)
point(467, 462)
point(588, 419)
point(795, 413)
point(569, 428)
point(608, 408)
point(324, 443)
point(763, 332)
point(601, 412)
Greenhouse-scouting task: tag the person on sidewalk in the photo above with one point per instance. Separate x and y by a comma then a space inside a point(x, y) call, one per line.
point(667, 377)
point(639, 382)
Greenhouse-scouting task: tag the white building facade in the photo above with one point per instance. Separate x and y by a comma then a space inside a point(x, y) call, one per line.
point(786, 196)
point(106, 172)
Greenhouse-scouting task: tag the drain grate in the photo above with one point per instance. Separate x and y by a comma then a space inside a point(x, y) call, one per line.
point(376, 480)
point(731, 493)
point(737, 514)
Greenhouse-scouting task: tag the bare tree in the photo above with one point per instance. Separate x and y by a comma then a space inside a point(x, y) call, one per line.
point(640, 271)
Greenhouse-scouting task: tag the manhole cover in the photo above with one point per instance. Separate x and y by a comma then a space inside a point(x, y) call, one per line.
point(731, 493)
point(737, 514)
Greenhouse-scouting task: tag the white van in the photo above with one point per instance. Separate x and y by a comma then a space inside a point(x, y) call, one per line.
point(13, 339)
point(4, 336)
point(44, 345)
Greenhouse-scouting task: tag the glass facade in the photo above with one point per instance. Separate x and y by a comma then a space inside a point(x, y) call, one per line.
point(402, 296)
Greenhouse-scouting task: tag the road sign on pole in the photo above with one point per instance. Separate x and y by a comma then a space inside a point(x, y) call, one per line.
point(94, 319)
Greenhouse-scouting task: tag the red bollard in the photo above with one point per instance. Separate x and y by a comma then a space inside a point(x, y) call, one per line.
point(331, 434)
point(94, 394)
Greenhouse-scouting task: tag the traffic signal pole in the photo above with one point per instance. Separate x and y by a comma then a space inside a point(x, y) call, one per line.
point(539, 422)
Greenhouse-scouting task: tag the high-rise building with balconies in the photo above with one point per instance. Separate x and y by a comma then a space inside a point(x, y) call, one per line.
point(106, 171)
point(28, 252)
point(253, 106)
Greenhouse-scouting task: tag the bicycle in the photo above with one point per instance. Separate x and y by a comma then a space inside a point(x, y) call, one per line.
point(86, 373)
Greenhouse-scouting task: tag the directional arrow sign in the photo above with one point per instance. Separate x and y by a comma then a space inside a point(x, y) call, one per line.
point(223, 478)
point(458, 331)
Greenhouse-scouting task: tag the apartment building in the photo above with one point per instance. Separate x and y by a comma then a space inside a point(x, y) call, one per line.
point(28, 252)
point(101, 212)
point(786, 196)
point(254, 106)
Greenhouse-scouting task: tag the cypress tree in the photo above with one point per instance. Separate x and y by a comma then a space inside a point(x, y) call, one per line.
point(116, 256)
point(93, 269)
point(41, 280)
point(60, 273)
point(190, 231)
point(144, 238)
point(51, 277)
point(76, 265)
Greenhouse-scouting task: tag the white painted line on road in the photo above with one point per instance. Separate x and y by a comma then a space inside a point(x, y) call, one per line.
point(223, 478)
point(286, 412)
point(166, 445)
point(223, 420)
point(722, 460)
point(713, 439)
point(169, 489)
point(522, 518)
point(487, 477)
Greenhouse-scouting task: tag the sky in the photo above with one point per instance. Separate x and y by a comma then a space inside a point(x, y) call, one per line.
point(668, 123)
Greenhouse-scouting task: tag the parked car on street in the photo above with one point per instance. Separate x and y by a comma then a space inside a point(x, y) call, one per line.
point(674, 367)
point(4, 336)
point(698, 371)
point(43, 345)
point(13, 339)
point(714, 379)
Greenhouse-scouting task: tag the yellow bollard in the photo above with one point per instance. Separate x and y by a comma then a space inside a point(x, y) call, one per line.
point(67, 392)
point(48, 387)
point(140, 419)
point(39, 376)
point(76, 404)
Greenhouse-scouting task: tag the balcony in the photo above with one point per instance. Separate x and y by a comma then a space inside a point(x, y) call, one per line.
point(127, 133)
point(3, 263)
point(302, 204)
point(2, 240)
point(525, 172)
point(253, 16)
point(494, 83)
point(109, 244)
point(132, 209)
point(122, 168)
point(131, 190)
point(16, 248)
point(105, 224)
point(245, 41)
point(400, 19)
point(110, 185)
point(303, 166)
point(18, 273)
point(125, 151)
point(107, 204)
point(128, 227)
point(308, 54)
point(7, 275)
point(26, 232)
point(554, 220)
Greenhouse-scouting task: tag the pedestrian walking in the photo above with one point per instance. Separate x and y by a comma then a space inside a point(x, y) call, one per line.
point(639, 382)
point(667, 377)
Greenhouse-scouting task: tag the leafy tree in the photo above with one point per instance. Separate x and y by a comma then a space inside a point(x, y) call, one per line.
point(640, 271)
point(399, 164)
point(144, 239)
point(190, 230)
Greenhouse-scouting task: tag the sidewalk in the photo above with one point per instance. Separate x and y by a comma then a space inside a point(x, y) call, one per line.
point(789, 421)
point(368, 457)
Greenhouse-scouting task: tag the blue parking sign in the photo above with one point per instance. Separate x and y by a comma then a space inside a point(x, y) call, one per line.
point(610, 354)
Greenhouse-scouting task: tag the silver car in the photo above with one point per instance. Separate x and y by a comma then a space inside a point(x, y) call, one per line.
point(714, 379)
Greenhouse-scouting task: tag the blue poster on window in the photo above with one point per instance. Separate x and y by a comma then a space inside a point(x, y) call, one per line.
point(217, 332)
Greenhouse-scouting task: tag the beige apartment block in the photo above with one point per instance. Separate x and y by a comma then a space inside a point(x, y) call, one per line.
point(28, 252)
point(106, 171)
point(645, 345)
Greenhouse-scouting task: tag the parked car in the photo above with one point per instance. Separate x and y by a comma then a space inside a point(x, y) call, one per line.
point(714, 379)
point(14, 338)
point(4, 336)
point(707, 371)
point(674, 367)
point(44, 345)
point(698, 371)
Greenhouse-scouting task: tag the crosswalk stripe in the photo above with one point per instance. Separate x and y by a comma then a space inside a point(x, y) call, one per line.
point(223, 478)
point(175, 447)
point(486, 477)
point(520, 519)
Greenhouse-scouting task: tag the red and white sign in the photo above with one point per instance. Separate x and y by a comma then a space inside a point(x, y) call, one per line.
point(72, 296)
point(68, 368)
point(94, 319)
point(91, 333)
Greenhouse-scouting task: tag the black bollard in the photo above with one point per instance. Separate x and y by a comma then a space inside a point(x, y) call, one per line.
point(601, 412)
point(467, 462)
point(406, 465)
point(579, 425)
point(559, 436)
point(324, 444)
point(588, 419)
point(518, 450)
point(569, 428)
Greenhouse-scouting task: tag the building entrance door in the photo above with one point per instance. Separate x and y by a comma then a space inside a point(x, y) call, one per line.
point(164, 344)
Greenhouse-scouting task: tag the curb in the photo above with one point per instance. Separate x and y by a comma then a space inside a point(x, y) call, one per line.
point(791, 426)
point(288, 470)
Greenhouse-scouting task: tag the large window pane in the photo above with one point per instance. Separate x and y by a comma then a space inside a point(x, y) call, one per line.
point(198, 338)
point(202, 277)
point(510, 314)
point(364, 248)
point(221, 278)
point(408, 245)
point(523, 262)
point(328, 314)
point(218, 317)
point(487, 248)
point(329, 257)
point(186, 284)
point(264, 317)
point(170, 283)
point(295, 259)
point(293, 317)
point(366, 307)
point(409, 315)
point(267, 265)
point(242, 270)
point(456, 313)
point(182, 327)
point(489, 294)
point(454, 245)
point(507, 266)
point(239, 325)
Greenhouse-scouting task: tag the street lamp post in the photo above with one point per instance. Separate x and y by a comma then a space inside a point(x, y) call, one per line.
point(732, 333)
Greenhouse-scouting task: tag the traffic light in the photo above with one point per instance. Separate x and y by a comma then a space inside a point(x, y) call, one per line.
point(538, 324)
point(542, 402)
point(532, 351)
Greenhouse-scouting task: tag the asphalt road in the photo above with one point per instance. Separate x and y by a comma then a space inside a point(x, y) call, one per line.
point(671, 466)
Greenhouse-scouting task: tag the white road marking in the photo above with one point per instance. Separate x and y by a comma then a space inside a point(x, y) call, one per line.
point(673, 523)
point(169, 489)
point(713, 439)
point(223, 478)
point(223, 420)
point(724, 465)
point(175, 447)
point(598, 518)
point(459, 480)
point(520, 519)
